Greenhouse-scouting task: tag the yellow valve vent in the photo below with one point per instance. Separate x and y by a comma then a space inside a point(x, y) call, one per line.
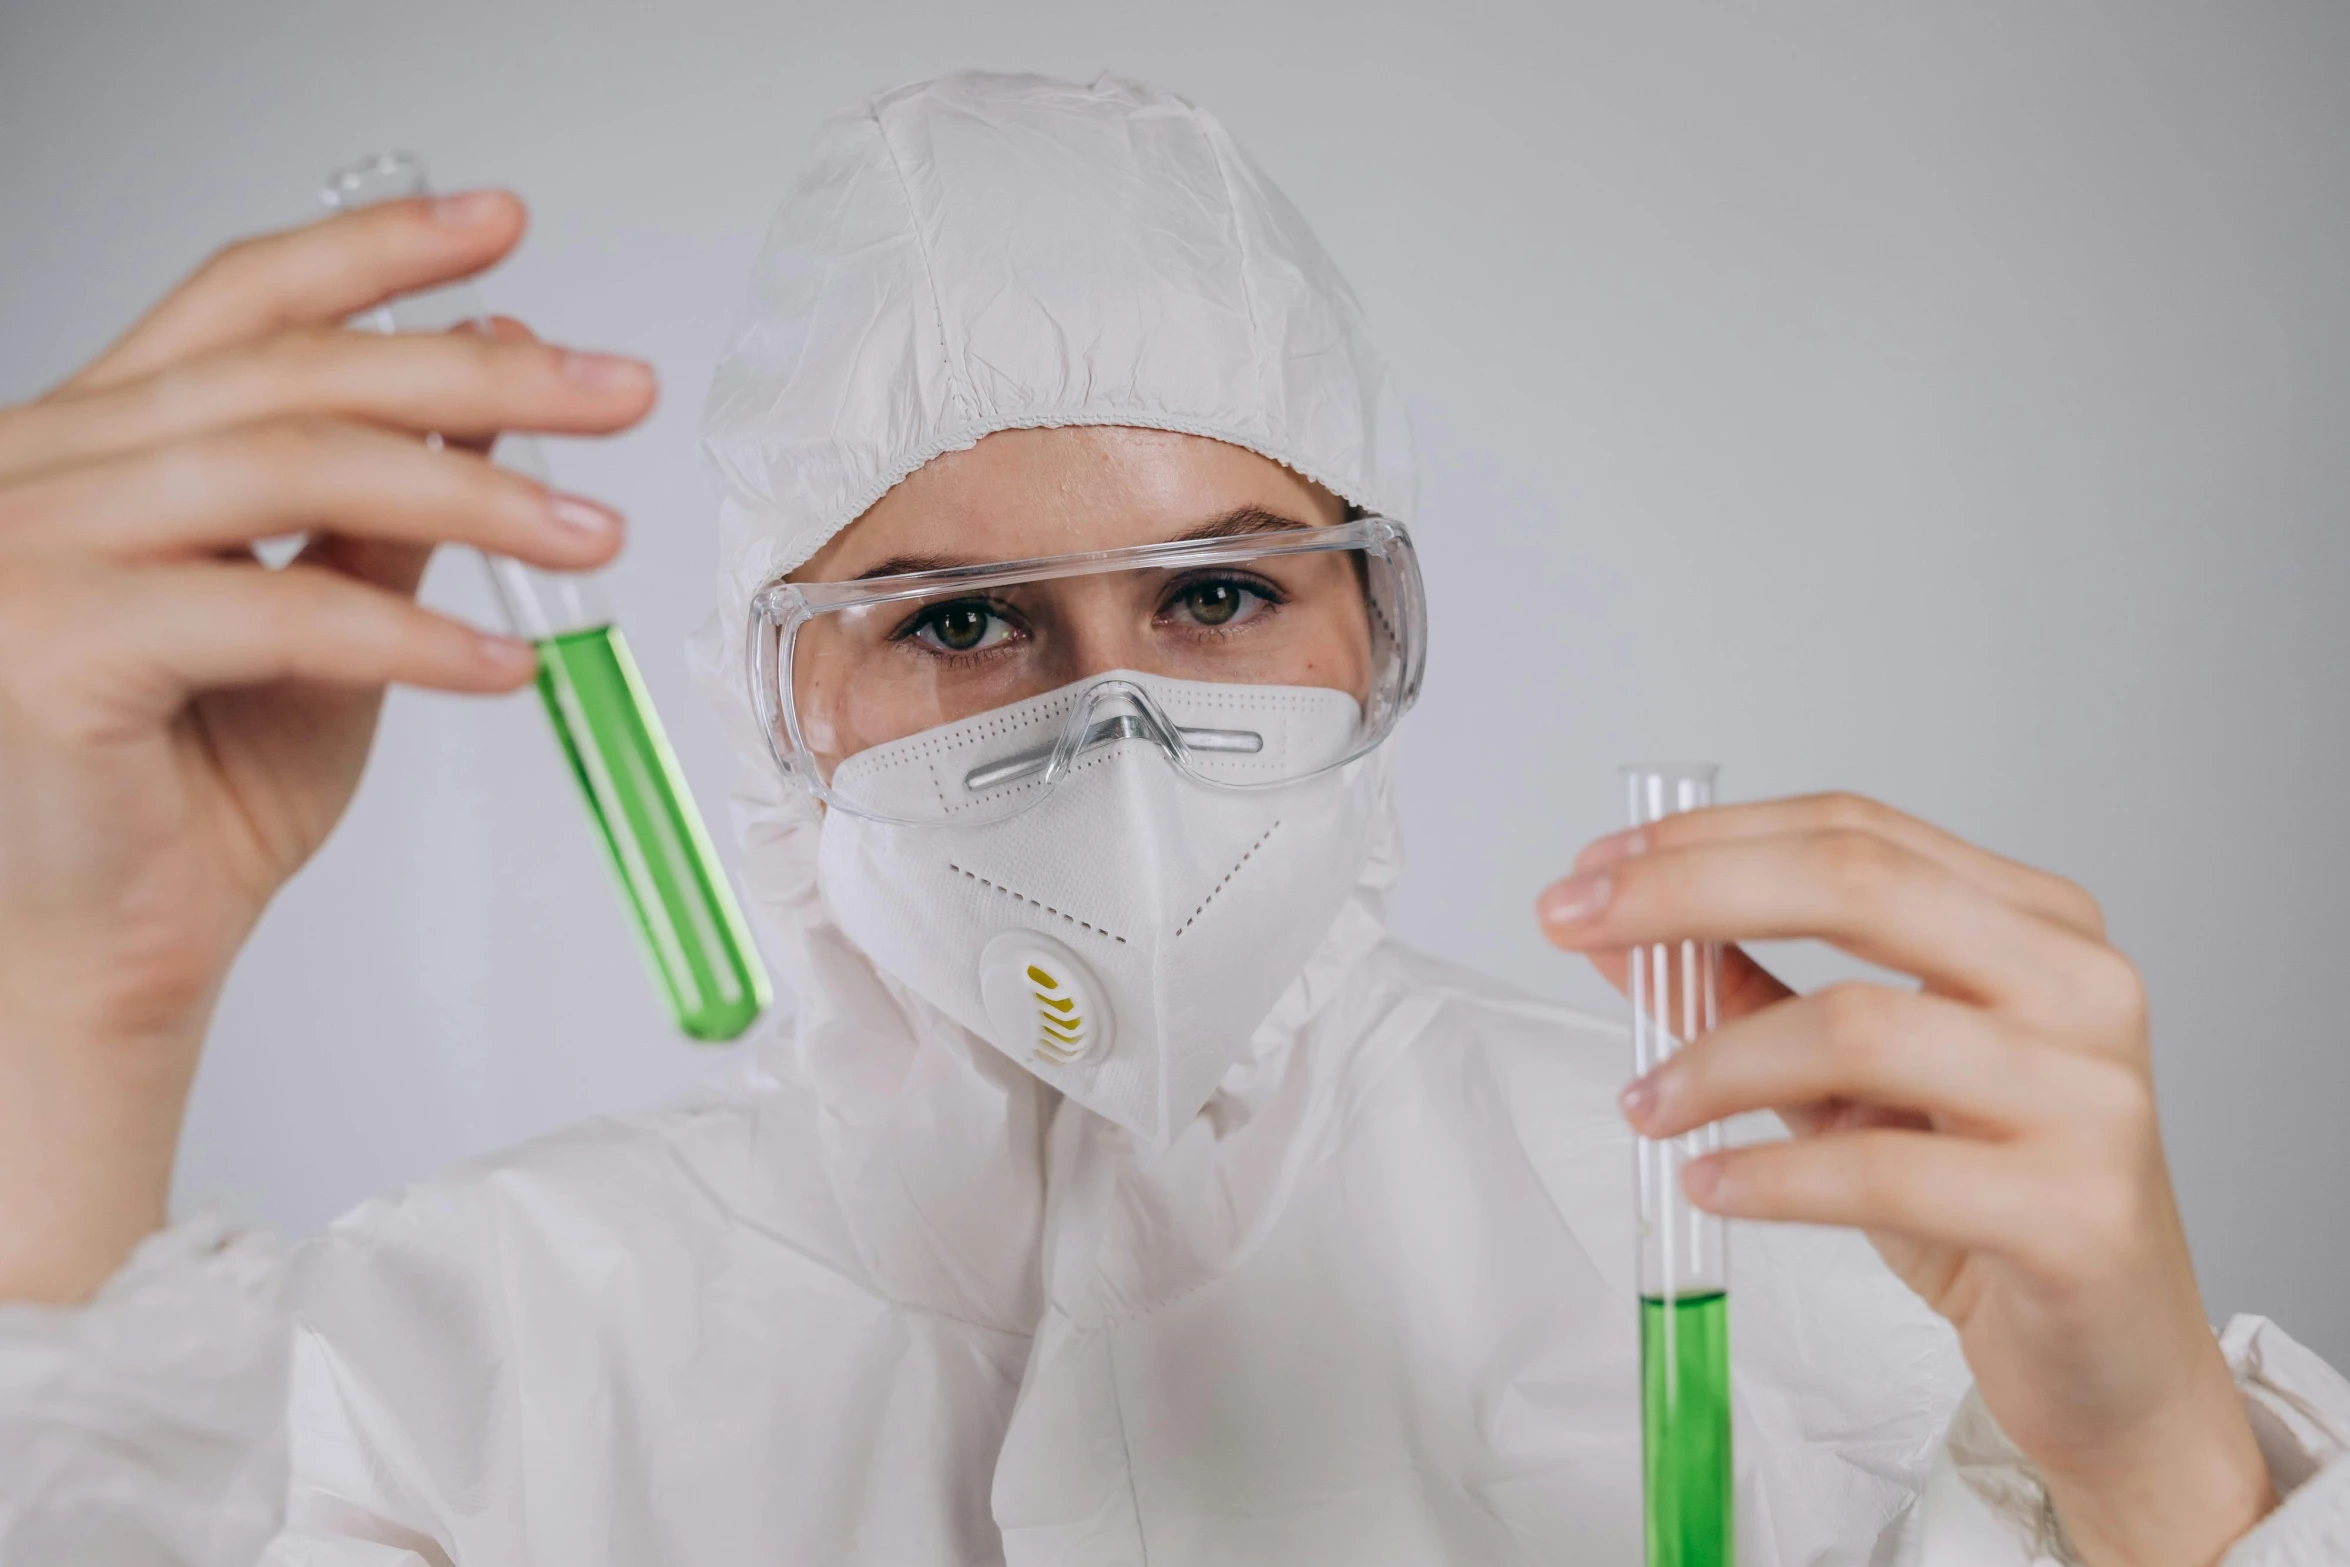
point(1044, 1005)
point(1061, 1021)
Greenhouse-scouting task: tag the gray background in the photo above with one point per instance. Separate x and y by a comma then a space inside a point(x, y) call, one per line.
point(1941, 401)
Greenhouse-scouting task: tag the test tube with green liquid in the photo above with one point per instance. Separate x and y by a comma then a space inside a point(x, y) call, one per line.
point(687, 922)
point(1684, 1269)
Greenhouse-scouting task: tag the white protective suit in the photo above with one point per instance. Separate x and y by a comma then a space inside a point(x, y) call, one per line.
point(889, 1300)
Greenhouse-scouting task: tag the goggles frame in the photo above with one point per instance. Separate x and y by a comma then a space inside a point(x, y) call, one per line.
point(781, 609)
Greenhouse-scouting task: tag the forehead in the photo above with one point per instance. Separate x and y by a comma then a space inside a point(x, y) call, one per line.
point(1025, 493)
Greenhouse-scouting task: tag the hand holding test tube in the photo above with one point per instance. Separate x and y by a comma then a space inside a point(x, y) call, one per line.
point(1684, 1261)
point(690, 929)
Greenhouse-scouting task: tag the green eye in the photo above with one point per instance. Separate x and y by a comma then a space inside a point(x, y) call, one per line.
point(960, 626)
point(1217, 602)
point(964, 626)
point(1213, 603)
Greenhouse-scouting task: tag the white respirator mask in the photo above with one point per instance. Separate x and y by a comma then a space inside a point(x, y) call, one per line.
point(1122, 939)
point(1114, 879)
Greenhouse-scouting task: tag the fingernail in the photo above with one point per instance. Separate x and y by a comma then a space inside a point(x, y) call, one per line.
point(466, 208)
point(510, 654)
point(1637, 1100)
point(608, 372)
point(1575, 899)
point(1702, 1183)
point(582, 516)
point(1614, 847)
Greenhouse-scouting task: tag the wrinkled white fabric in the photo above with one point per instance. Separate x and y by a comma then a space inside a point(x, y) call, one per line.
point(890, 1299)
point(149, 1426)
point(982, 253)
point(1989, 1506)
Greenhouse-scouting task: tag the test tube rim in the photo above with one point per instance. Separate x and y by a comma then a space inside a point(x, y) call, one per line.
point(1670, 769)
point(345, 182)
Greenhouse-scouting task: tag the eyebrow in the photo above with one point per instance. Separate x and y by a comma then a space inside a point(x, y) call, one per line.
point(1238, 523)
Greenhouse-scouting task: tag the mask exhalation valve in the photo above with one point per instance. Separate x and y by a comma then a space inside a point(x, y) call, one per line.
point(1043, 1001)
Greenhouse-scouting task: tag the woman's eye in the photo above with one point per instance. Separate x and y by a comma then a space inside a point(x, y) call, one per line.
point(1217, 602)
point(963, 627)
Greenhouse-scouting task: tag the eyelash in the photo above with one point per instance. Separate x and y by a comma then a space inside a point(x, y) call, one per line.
point(911, 628)
point(1272, 597)
point(1269, 596)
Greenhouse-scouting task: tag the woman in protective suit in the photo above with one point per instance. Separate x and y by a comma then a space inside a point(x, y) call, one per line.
point(1118, 1190)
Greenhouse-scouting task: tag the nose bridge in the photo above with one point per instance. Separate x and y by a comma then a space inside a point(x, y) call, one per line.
point(1097, 625)
point(1116, 707)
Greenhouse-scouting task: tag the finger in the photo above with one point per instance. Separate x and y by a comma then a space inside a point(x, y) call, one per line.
point(1744, 985)
point(2050, 896)
point(1927, 1185)
point(462, 385)
point(175, 630)
point(390, 564)
point(1873, 899)
point(222, 490)
point(314, 275)
point(502, 329)
point(401, 567)
point(1857, 1043)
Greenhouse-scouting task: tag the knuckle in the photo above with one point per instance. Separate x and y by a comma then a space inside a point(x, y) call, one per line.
point(453, 361)
point(200, 465)
point(546, 361)
point(1856, 1022)
point(1842, 809)
point(288, 615)
point(478, 342)
point(171, 397)
point(264, 454)
point(1881, 1171)
point(1666, 832)
point(2081, 907)
point(2117, 1097)
point(319, 607)
point(515, 498)
point(1859, 866)
point(229, 260)
point(2070, 904)
point(2110, 987)
point(455, 357)
point(299, 353)
point(340, 260)
point(516, 375)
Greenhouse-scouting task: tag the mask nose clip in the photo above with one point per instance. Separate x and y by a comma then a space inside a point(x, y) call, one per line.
point(1107, 713)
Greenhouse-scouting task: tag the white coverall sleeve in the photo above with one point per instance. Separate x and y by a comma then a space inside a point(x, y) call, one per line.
point(1984, 1505)
point(148, 1427)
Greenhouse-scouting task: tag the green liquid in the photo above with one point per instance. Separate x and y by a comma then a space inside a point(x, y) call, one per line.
point(1685, 1429)
point(692, 933)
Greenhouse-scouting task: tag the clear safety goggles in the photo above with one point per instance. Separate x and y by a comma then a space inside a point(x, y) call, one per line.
point(965, 694)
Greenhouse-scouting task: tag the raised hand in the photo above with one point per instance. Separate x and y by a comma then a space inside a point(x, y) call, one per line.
point(1993, 1131)
point(180, 727)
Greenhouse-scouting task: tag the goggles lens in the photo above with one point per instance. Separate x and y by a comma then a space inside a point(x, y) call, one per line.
point(1314, 621)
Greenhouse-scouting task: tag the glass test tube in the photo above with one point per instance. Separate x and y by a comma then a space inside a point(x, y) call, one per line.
point(1684, 1262)
point(688, 925)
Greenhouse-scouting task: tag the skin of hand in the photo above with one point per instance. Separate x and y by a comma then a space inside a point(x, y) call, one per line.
point(1993, 1132)
point(181, 726)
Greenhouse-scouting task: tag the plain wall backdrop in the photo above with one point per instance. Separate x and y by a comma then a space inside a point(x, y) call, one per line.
point(1948, 402)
